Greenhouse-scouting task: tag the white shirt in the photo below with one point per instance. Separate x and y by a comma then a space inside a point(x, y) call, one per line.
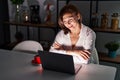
point(86, 41)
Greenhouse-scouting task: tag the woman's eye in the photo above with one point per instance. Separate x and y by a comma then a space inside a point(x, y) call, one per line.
point(70, 20)
point(65, 22)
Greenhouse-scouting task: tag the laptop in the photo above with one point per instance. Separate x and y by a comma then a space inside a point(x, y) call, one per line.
point(58, 62)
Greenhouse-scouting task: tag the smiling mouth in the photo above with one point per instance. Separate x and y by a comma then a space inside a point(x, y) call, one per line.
point(70, 26)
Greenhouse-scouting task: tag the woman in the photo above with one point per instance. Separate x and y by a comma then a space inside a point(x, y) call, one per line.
point(75, 38)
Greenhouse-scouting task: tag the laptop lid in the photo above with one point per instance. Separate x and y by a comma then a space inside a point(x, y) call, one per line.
point(57, 62)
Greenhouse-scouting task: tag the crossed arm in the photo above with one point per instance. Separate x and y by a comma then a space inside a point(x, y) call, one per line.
point(83, 53)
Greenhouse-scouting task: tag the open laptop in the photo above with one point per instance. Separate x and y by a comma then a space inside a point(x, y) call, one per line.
point(58, 62)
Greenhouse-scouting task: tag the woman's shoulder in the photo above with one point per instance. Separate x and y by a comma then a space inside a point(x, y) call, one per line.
point(87, 28)
point(60, 32)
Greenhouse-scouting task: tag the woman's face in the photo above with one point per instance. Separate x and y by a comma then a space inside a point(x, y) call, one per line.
point(70, 22)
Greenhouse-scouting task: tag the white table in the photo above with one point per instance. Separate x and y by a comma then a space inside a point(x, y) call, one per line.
point(17, 66)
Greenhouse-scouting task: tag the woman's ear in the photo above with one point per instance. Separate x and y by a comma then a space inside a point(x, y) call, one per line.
point(79, 17)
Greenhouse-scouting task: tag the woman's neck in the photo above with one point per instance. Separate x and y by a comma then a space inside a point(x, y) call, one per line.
point(76, 31)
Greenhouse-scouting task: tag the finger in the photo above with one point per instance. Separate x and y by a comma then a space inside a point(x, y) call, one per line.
point(57, 44)
point(86, 51)
point(85, 55)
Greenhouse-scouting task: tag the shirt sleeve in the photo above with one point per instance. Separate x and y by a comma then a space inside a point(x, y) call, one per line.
point(89, 39)
point(59, 39)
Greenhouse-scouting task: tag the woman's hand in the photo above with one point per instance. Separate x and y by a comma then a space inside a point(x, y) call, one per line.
point(83, 53)
point(57, 46)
